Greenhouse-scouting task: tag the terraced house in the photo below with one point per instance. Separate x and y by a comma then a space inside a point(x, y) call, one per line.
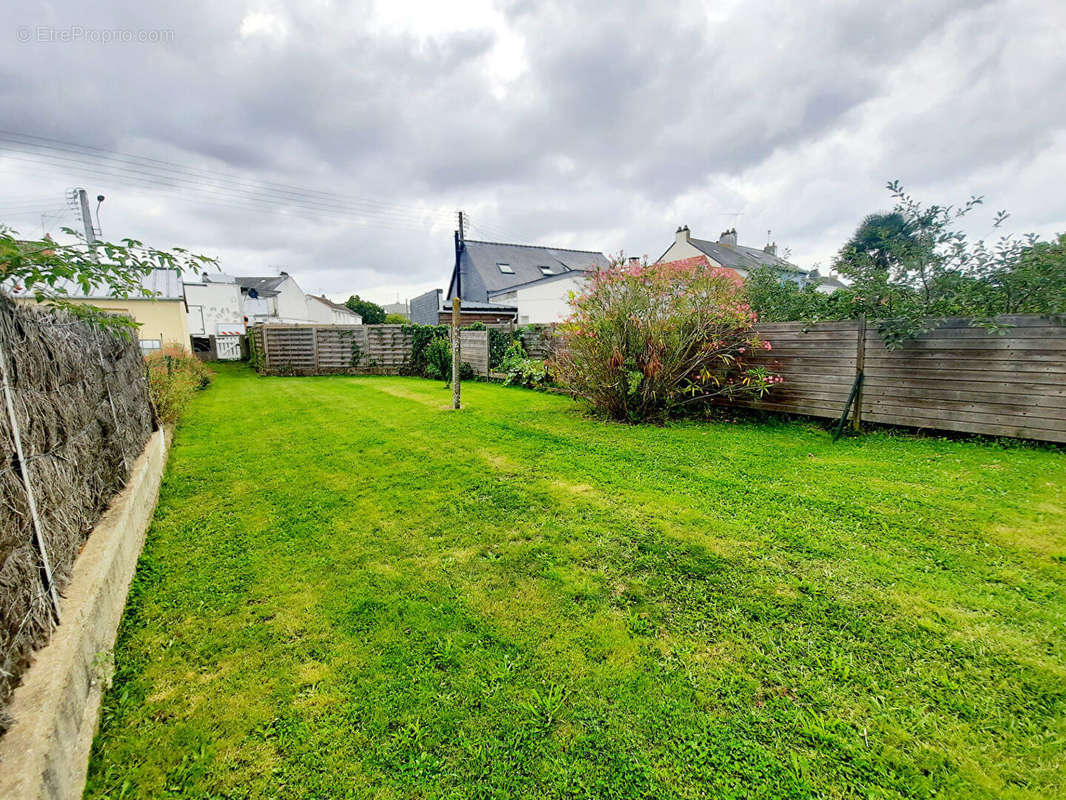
point(728, 253)
point(522, 283)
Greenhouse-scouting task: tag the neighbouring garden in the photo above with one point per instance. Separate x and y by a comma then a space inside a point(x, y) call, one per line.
point(351, 591)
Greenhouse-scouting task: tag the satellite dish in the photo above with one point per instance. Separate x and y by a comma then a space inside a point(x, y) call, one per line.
point(252, 293)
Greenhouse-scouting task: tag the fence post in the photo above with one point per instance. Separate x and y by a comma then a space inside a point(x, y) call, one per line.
point(456, 351)
point(24, 473)
point(860, 365)
point(314, 347)
point(266, 350)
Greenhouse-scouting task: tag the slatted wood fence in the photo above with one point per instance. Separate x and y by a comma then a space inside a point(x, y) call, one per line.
point(955, 378)
point(349, 349)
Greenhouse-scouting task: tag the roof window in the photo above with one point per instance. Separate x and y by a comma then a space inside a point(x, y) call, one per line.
point(545, 270)
point(505, 269)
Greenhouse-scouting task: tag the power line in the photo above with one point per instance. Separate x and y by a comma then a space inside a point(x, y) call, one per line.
point(172, 182)
point(170, 170)
point(230, 198)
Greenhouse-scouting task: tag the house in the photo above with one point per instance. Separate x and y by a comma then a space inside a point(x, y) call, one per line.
point(425, 309)
point(277, 298)
point(728, 253)
point(322, 310)
point(162, 317)
point(826, 284)
point(521, 283)
point(215, 306)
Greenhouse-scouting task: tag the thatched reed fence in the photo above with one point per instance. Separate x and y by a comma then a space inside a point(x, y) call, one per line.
point(74, 417)
point(348, 349)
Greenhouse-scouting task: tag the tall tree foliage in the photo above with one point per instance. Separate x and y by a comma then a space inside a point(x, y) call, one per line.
point(372, 313)
point(915, 264)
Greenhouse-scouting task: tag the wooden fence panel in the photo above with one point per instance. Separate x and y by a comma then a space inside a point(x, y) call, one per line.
point(954, 378)
point(353, 349)
point(475, 350)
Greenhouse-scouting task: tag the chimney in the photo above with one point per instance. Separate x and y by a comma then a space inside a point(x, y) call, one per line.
point(682, 235)
point(728, 238)
point(634, 260)
point(771, 249)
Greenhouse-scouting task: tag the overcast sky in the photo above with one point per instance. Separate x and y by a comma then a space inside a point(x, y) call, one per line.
point(598, 126)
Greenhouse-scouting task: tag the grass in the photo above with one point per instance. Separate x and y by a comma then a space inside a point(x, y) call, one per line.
point(350, 591)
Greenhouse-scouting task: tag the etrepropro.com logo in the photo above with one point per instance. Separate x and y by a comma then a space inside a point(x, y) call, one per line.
point(71, 34)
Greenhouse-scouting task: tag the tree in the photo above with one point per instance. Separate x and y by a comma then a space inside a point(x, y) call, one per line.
point(46, 269)
point(881, 238)
point(372, 313)
point(906, 276)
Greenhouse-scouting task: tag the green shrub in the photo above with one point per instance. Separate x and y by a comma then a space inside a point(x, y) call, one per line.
point(648, 341)
point(421, 338)
point(514, 355)
point(395, 319)
point(438, 356)
point(466, 372)
point(499, 341)
point(173, 376)
point(529, 372)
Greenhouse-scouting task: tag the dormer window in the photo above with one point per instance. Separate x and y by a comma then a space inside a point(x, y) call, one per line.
point(546, 271)
point(505, 269)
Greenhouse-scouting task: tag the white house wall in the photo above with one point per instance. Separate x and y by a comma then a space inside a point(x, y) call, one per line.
point(291, 300)
point(211, 305)
point(541, 303)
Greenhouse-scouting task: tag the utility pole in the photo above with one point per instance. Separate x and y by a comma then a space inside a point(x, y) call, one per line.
point(87, 221)
point(457, 305)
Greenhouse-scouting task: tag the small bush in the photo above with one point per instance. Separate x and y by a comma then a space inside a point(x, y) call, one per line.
point(529, 372)
point(512, 356)
point(499, 341)
point(439, 359)
point(395, 319)
point(421, 338)
point(648, 341)
point(173, 376)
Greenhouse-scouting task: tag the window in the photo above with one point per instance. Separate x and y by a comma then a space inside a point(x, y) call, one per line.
point(505, 269)
point(545, 270)
point(149, 345)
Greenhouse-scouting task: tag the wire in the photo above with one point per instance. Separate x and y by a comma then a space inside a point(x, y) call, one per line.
point(254, 201)
point(150, 180)
point(169, 170)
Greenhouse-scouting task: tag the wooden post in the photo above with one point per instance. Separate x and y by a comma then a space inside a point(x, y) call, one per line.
point(860, 365)
point(314, 347)
point(24, 473)
point(266, 351)
point(456, 354)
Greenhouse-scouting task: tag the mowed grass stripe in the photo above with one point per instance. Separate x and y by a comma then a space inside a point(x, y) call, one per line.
point(351, 591)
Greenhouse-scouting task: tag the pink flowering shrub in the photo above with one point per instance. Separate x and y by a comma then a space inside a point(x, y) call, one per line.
point(648, 341)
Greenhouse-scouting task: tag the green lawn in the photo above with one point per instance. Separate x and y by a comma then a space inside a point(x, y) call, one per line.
point(351, 591)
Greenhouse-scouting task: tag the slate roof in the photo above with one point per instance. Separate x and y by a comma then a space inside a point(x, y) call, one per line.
point(741, 257)
point(541, 279)
point(327, 302)
point(264, 287)
point(829, 280)
point(481, 275)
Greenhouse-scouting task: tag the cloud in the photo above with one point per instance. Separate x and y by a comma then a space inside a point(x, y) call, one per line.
point(598, 126)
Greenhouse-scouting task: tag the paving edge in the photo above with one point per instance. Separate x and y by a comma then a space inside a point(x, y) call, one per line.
point(45, 753)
